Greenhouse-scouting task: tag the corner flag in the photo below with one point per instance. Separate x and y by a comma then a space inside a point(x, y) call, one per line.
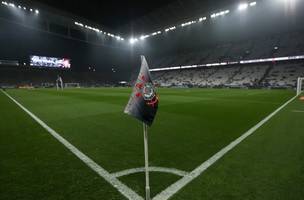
point(143, 102)
point(143, 105)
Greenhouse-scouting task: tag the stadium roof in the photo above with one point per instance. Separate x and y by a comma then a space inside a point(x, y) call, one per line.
point(131, 16)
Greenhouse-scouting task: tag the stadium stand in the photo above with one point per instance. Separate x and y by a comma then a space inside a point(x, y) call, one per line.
point(250, 76)
point(274, 75)
point(286, 44)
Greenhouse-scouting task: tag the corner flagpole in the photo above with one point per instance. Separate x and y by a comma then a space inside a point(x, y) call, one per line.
point(143, 105)
point(146, 161)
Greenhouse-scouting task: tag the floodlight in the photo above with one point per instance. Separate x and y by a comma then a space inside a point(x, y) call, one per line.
point(133, 40)
point(37, 11)
point(243, 6)
point(253, 3)
point(202, 19)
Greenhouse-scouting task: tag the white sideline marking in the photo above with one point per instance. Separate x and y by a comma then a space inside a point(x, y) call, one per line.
point(151, 169)
point(122, 188)
point(175, 187)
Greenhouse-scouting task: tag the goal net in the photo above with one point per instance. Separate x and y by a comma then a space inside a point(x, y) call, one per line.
point(72, 85)
point(300, 85)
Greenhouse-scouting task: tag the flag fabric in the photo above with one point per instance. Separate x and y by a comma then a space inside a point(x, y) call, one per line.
point(143, 103)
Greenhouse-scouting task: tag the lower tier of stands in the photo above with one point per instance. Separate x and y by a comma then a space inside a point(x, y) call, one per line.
point(275, 75)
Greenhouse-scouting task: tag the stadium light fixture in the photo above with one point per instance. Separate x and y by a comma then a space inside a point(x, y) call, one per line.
point(188, 23)
point(202, 19)
point(156, 33)
point(170, 29)
point(133, 40)
point(243, 6)
point(37, 11)
point(253, 3)
point(222, 13)
point(97, 30)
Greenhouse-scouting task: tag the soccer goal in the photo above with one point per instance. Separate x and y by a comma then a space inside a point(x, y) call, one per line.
point(299, 85)
point(72, 85)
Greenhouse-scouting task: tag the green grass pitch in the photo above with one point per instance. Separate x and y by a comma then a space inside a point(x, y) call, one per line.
point(190, 127)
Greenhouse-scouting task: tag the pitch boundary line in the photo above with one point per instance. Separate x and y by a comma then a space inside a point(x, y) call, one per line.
point(122, 188)
point(151, 169)
point(175, 187)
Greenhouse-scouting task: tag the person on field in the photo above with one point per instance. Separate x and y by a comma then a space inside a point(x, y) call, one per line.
point(59, 83)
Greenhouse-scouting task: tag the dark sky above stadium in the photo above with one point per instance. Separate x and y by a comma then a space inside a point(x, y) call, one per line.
point(137, 16)
point(109, 13)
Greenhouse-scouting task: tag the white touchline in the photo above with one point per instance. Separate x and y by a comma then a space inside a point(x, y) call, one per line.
point(175, 187)
point(151, 169)
point(122, 188)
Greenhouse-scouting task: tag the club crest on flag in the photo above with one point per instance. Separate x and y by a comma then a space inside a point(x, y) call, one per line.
point(147, 91)
point(143, 102)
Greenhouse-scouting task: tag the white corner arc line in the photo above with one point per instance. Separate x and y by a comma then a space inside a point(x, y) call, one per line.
point(151, 169)
point(122, 188)
point(175, 187)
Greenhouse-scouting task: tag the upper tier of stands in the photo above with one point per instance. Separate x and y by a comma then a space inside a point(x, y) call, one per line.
point(287, 44)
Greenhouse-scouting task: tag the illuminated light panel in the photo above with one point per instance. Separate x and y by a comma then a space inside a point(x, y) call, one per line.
point(253, 3)
point(222, 13)
point(202, 19)
point(188, 23)
point(19, 6)
point(243, 6)
point(170, 29)
point(133, 40)
point(98, 30)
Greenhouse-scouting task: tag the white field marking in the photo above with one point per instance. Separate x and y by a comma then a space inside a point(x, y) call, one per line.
point(175, 187)
point(151, 169)
point(122, 188)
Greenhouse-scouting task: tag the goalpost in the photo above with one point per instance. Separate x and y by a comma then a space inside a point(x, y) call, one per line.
point(299, 85)
point(72, 85)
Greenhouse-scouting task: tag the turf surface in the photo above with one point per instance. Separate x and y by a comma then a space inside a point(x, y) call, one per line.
point(191, 126)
